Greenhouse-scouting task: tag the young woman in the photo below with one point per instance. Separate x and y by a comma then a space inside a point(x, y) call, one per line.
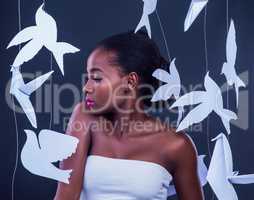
point(124, 153)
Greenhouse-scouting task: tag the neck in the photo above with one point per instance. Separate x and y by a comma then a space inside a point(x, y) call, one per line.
point(124, 120)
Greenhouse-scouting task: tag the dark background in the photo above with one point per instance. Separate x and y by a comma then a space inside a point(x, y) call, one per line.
point(83, 23)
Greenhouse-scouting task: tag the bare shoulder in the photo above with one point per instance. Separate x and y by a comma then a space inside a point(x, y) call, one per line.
point(179, 148)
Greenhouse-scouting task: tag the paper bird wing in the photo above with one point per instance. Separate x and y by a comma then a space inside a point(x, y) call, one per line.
point(202, 173)
point(56, 146)
point(27, 107)
point(195, 8)
point(196, 115)
point(59, 49)
point(174, 73)
point(23, 36)
point(202, 170)
point(180, 115)
point(164, 92)
point(226, 116)
point(227, 154)
point(144, 21)
point(33, 85)
point(231, 47)
point(211, 86)
point(191, 98)
point(242, 179)
point(149, 6)
point(27, 52)
point(175, 79)
point(46, 23)
point(162, 75)
point(218, 169)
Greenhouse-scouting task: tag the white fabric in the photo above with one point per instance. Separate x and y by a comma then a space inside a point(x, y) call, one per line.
point(108, 178)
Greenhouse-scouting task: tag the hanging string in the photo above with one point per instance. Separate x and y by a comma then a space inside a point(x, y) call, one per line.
point(206, 66)
point(15, 120)
point(163, 34)
point(227, 27)
point(50, 84)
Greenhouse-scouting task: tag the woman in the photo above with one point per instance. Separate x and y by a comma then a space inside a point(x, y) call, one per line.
point(115, 158)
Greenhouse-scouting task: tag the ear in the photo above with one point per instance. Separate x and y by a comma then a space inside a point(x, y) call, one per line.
point(133, 80)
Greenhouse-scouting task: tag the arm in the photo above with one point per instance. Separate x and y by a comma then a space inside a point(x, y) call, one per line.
point(78, 126)
point(185, 175)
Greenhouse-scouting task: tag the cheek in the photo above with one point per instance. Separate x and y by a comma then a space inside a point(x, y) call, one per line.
point(109, 94)
point(102, 94)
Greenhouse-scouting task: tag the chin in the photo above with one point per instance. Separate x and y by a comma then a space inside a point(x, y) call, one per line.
point(99, 111)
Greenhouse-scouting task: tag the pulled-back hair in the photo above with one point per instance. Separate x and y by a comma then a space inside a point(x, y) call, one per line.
point(136, 52)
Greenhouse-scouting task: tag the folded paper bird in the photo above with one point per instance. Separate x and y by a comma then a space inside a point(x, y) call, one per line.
point(171, 88)
point(22, 91)
point(37, 156)
point(149, 8)
point(195, 8)
point(43, 34)
point(202, 173)
point(209, 100)
point(228, 68)
point(221, 176)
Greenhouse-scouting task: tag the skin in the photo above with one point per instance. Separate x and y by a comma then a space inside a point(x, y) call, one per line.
point(106, 86)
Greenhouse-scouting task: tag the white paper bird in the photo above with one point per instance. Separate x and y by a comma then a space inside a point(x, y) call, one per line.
point(43, 34)
point(228, 68)
point(149, 8)
point(23, 91)
point(202, 174)
point(37, 156)
point(172, 86)
point(243, 109)
point(220, 173)
point(195, 8)
point(209, 100)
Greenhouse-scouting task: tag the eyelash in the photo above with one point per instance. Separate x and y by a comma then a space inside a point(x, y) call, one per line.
point(96, 79)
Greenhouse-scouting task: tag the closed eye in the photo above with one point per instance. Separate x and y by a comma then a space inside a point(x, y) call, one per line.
point(97, 79)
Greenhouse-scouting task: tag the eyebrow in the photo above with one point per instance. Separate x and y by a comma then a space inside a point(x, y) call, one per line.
point(95, 69)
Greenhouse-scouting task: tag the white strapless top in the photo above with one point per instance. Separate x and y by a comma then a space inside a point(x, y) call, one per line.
point(108, 178)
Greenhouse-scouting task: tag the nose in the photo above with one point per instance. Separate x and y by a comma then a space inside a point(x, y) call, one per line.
point(87, 88)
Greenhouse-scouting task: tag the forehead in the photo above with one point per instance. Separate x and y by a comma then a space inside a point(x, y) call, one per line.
point(102, 61)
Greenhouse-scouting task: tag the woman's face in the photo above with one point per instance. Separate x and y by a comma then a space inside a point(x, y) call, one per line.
point(105, 87)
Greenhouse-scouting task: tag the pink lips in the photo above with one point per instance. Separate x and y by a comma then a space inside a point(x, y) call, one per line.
point(89, 103)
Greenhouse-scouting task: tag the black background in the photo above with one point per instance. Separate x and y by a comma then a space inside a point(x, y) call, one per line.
point(83, 23)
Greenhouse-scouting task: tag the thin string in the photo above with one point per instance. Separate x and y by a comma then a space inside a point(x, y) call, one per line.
point(50, 84)
point(15, 120)
point(17, 150)
point(227, 26)
point(206, 65)
point(163, 34)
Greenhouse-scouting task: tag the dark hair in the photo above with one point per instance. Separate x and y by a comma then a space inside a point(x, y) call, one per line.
point(136, 52)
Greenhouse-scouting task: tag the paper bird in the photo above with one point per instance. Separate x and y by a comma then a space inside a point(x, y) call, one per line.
point(220, 173)
point(149, 8)
point(37, 156)
point(243, 109)
point(202, 174)
point(173, 86)
point(23, 91)
point(43, 34)
point(209, 100)
point(195, 8)
point(228, 68)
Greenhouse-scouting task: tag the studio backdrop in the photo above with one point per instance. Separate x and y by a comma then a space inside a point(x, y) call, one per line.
point(44, 49)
